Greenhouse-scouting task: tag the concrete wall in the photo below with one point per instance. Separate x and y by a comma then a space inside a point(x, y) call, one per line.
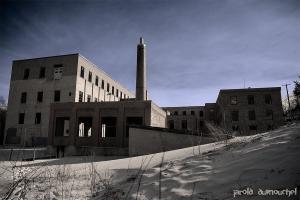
point(147, 141)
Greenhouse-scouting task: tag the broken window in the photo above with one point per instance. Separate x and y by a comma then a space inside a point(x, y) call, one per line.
point(171, 124)
point(108, 127)
point(269, 114)
point(82, 72)
point(235, 128)
point(107, 87)
point(184, 124)
point(38, 117)
point(80, 98)
point(192, 112)
point(89, 98)
point(251, 115)
point(96, 81)
point(175, 113)
point(117, 93)
point(85, 126)
point(250, 99)
point(102, 84)
point(183, 112)
point(133, 121)
point(42, 72)
point(62, 125)
point(21, 118)
point(39, 97)
point(233, 100)
point(201, 113)
point(58, 70)
point(268, 99)
point(57, 95)
point(90, 77)
point(201, 123)
point(26, 74)
point(235, 116)
point(112, 90)
point(23, 97)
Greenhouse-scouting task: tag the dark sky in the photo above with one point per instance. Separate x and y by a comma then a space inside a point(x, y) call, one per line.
point(195, 47)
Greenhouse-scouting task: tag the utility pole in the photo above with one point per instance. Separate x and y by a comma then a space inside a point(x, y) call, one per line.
point(287, 93)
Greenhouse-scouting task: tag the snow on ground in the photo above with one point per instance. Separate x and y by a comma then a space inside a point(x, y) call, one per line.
point(212, 171)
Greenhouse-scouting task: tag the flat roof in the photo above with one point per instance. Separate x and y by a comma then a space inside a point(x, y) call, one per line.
point(72, 54)
point(249, 89)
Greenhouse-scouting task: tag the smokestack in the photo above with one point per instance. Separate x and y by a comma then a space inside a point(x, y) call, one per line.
point(141, 91)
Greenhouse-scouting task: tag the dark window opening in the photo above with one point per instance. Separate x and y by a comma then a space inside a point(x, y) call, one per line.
point(42, 72)
point(112, 90)
point(82, 72)
point(270, 127)
point(21, 118)
point(171, 124)
point(90, 77)
point(70, 94)
point(62, 126)
point(192, 112)
point(184, 124)
point(253, 128)
point(107, 87)
point(201, 123)
point(96, 81)
point(96, 100)
point(102, 84)
point(268, 99)
point(108, 127)
point(89, 98)
point(85, 126)
point(175, 112)
point(251, 115)
point(269, 114)
point(80, 98)
point(117, 92)
point(133, 121)
point(23, 97)
point(235, 116)
point(235, 128)
point(26, 74)
point(38, 117)
point(233, 100)
point(183, 112)
point(121, 95)
point(250, 99)
point(201, 113)
point(39, 97)
point(57, 95)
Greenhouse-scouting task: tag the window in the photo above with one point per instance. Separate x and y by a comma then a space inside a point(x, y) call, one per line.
point(85, 126)
point(39, 97)
point(117, 92)
point(26, 74)
point(192, 112)
point(38, 117)
point(251, 115)
point(62, 125)
point(233, 100)
point(42, 72)
point(171, 124)
point(107, 87)
point(121, 95)
point(268, 99)
point(82, 72)
point(201, 113)
point(80, 97)
point(23, 97)
point(235, 128)
point(108, 127)
point(21, 118)
point(270, 127)
point(184, 112)
point(269, 114)
point(252, 127)
point(112, 90)
point(175, 112)
point(90, 77)
point(235, 116)
point(250, 99)
point(56, 95)
point(97, 81)
point(96, 100)
point(201, 123)
point(58, 71)
point(102, 84)
point(184, 124)
point(89, 98)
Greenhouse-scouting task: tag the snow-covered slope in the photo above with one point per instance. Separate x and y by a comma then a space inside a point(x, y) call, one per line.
point(212, 171)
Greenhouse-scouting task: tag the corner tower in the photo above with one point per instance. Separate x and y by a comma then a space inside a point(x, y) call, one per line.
point(141, 88)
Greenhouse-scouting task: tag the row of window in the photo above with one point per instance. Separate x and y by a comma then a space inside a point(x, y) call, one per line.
point(183, 124)
point(40, 96)
point(58, 70)
point(201, 113)
point(250, 99)
point(37, 119)
point(252, 127)
point(251, 115)
point(114, 91)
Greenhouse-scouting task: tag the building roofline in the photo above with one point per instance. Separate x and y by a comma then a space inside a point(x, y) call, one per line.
point(179, 107)
point(249, 89)
point(71, 54)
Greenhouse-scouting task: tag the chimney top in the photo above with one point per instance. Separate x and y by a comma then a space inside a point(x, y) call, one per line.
point(141, 40)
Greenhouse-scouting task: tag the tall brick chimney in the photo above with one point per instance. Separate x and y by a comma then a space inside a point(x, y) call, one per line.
point(141, 87)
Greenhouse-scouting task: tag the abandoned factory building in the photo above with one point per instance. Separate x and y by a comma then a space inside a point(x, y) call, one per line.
point(68, 102)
